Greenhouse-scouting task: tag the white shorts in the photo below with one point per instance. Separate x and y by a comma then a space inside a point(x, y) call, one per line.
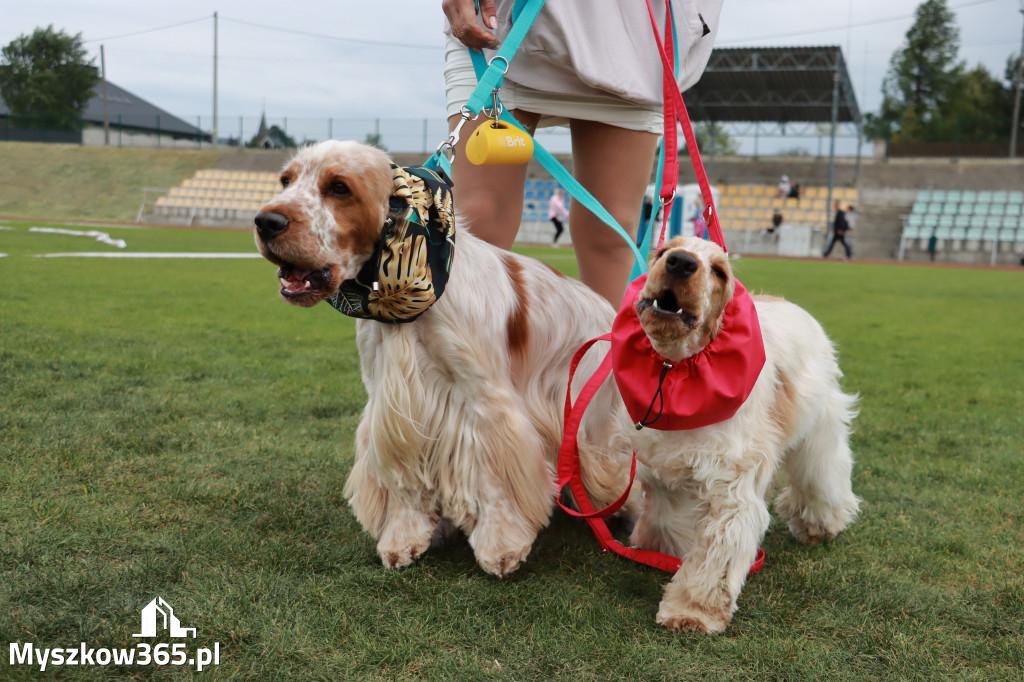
point(555, 109)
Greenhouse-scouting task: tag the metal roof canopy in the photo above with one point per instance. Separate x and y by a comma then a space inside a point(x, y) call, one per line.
point(779, 85)
point(774, 84)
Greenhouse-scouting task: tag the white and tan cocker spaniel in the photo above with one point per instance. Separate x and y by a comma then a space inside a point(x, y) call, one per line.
point(464, 404)
point(705, 488)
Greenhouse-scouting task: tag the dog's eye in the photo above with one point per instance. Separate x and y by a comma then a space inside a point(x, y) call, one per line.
point(285, 182)
point(340, 189)
point(720, 273)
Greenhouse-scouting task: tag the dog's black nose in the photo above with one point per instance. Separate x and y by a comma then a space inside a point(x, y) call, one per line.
point(681, 264)
point(270, 225)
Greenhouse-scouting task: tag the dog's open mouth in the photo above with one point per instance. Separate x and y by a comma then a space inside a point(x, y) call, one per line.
point(298, 282)
point(666, 304)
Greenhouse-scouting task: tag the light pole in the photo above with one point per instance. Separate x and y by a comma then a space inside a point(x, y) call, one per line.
point(1016, 99)
point(214, 126)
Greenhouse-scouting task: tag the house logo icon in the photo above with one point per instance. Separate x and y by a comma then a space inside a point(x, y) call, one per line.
point(159, 613)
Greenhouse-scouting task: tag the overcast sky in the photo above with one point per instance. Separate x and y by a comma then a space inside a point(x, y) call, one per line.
point(383, 58)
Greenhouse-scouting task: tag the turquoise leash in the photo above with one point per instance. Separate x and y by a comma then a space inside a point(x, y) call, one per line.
point(490, 77)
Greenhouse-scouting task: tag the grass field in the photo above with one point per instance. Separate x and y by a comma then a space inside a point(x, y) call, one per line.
point(66, 182)
point(170, 428)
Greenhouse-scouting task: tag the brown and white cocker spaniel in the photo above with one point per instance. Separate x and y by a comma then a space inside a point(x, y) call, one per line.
point(705, 488)
point(463, 418)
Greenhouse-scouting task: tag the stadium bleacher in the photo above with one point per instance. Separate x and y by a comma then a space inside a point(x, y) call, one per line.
point(213, 193)
point(749, 207)
point(741, 207)
point(951, 220)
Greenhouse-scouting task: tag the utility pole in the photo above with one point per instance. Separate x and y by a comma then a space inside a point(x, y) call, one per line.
point(1016, 99)
point(214, 128)
point(106, 106)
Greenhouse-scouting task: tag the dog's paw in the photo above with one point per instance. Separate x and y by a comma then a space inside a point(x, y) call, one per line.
point(692, 621)
point(809, 534)
point(400, 557)
point(812, 524)
point(503, 563)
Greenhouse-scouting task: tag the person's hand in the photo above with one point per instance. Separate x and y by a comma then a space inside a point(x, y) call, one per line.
point(462, 17)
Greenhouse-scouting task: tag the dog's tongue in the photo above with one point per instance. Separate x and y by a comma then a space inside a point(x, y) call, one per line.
point(295, 281)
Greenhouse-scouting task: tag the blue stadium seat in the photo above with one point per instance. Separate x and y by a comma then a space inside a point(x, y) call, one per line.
point(962, 221)
point(1000, 197)
point(915, 220)
point(915, 232)
point(953, 196)
point(950, 208)
point(977, 222)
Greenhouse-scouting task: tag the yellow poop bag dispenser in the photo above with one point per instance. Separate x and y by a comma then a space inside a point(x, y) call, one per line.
point(498, 143)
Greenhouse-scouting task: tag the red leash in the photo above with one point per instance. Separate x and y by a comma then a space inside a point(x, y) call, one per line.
point(569, 472)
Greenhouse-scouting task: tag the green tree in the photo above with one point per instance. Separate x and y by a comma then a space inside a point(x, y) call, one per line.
point(375, 140)
point(922, 77)
point(711, 139)
point(46, 79)
point(979, 109)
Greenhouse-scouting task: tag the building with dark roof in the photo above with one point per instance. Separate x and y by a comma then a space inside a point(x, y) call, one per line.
point(132, 122)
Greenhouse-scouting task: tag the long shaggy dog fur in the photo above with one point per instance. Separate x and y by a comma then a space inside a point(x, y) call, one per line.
point(464, 405)
point(705, 489)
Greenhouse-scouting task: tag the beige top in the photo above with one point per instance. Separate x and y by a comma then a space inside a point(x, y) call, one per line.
point(599, 47)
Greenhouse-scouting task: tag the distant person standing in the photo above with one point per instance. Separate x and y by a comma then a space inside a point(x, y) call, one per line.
point(784, 187)
point(557, 213)
point(700, 226)
point(840, 227)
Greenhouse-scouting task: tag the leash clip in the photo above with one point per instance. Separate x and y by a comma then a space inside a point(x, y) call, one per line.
point(496, 108)
point(453, 139)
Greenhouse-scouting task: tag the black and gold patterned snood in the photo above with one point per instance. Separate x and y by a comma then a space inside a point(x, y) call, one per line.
point(409, 267)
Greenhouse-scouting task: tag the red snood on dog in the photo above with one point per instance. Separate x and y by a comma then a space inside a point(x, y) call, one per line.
point(697, 391)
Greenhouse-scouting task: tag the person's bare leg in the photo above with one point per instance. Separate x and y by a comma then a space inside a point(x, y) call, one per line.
point(614, 164)
point(489, 198)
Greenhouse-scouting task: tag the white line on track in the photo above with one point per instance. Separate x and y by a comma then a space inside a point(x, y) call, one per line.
point(151, 254)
